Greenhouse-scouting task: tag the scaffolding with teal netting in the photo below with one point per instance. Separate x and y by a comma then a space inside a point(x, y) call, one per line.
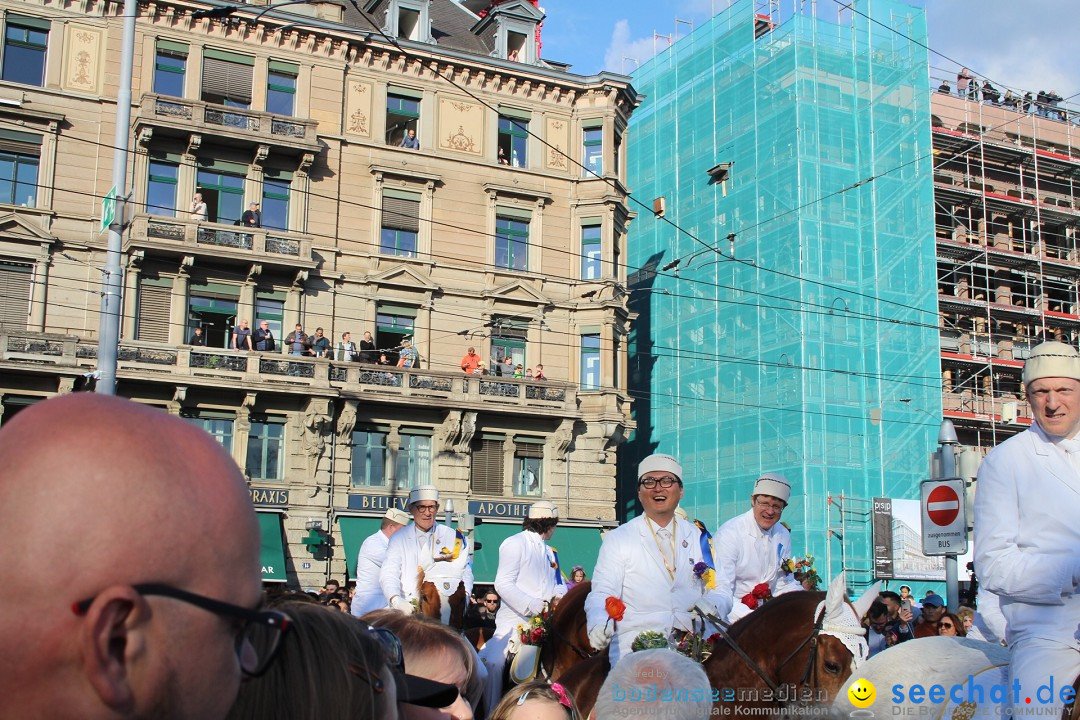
point(787, 294)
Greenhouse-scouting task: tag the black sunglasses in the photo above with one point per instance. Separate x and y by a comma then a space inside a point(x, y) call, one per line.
point(260, 630)
point(395, 655)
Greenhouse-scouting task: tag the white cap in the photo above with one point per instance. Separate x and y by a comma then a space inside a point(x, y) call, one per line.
point(773, 484)
point(659, 463)
point(543, 509)
point(423, 492)
point(399, 516)
point(1052, 359)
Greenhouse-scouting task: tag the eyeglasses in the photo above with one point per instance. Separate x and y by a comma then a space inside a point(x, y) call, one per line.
point(259, 632)
point(492, 601)
point(395, 655)
point(948, 625)
point(425, 508)
point(665, 482)
point(766, 505)
point(368, 676)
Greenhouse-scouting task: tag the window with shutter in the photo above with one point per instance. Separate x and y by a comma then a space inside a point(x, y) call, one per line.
point(155, 300)
point(400, 224)
point(16, 280)
point(227, 78)
point(487, 467)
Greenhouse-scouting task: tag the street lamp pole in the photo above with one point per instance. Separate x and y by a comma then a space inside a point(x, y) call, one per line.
point(112, 276)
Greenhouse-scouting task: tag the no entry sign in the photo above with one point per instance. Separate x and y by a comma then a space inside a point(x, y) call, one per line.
point(944, 520)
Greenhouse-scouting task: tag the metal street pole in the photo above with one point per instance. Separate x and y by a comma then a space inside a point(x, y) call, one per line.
point(112, 277)
point(946, 468)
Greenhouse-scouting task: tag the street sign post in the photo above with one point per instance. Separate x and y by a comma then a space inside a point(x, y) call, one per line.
point(108, 209)
point(944, 517)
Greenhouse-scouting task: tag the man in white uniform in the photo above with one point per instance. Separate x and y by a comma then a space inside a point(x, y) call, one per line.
point(435, 552)
point(1027, 536)
point(526, 579)
point(368, 595)
point(648, 564)
point(751, 547)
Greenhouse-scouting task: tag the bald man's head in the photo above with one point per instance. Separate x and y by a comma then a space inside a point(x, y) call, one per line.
point(105, 494)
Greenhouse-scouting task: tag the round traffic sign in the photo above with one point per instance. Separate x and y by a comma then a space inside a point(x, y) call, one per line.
point(942, 506)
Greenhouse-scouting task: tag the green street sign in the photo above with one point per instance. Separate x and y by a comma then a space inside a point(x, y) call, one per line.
point(108, 209)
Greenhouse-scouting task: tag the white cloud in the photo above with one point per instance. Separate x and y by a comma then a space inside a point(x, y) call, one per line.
point(623, 46)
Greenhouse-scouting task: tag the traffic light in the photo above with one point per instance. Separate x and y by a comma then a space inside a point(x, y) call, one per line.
point(319, 543)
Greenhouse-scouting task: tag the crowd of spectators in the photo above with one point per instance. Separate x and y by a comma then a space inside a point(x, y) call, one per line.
point(1046, 103)
point(895, 618)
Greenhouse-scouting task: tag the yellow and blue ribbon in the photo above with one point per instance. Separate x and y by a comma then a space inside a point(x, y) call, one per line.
point(459, 543)
point(707, 556)
point(559, 578)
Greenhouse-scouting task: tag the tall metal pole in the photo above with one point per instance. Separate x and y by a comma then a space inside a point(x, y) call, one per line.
point(947, 469)
point(112, 277)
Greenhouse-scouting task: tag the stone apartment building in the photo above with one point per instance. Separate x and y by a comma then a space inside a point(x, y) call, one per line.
point(504, 229)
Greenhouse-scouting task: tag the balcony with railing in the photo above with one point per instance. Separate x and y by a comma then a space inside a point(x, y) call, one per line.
point(184, 236)
point(273, 372)
point(183, 117)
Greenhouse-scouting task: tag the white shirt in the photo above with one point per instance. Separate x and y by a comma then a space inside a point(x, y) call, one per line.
point(631, 568)
point(369, 595)
point(746, 556)
point(1027, 536)
point(525, 580)
point(410, 548)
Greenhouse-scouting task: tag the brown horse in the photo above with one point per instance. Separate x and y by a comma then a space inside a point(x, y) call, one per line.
point(781, 639)
point(567, 642)
point(431, 603)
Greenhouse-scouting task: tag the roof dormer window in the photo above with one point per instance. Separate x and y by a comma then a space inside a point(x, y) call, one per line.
point(511, 27)
point(406, 19)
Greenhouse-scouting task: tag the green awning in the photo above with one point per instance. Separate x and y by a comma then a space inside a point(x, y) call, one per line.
point(354, 530)
point(272, 554)
point(486, 560)
point(576, 546)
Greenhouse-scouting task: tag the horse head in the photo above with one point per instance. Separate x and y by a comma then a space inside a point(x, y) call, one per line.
point(567, 642)
point(841, 636)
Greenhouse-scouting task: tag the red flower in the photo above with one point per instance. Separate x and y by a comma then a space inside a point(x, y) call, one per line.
point(761, 591)
point(537, 635)
point(615, 608)
point(750, 601)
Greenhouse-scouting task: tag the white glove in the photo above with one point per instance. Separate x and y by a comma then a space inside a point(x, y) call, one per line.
point(535, 607)
point(600, 636)
point(401, 604)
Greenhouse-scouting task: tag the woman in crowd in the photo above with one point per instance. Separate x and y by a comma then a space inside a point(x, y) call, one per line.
point(536, 700)
point(435, 652)
point(951, 625)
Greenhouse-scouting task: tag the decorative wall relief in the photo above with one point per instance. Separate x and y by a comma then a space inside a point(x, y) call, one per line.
point(461, 126)
point(358, 108)
point(557, 133)
point(83, 62)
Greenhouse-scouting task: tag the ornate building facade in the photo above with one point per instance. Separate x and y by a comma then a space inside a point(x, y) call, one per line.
point(422, 174)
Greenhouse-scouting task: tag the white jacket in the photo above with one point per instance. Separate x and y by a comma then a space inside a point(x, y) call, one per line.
point(410, 548)
point(525, 580)
point(631, 568)
point(747, 556)
point(369, 595)
point(1027, 538)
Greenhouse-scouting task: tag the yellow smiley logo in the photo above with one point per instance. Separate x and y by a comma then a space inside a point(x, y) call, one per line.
point(861, 693)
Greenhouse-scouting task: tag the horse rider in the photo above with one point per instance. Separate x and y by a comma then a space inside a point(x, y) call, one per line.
point(369, 561)
point(649, 565)
point(1027, 534)
point(528, 577)
point(426, 552)
point(752, 548)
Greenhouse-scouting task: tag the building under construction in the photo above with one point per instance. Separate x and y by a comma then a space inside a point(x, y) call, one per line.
point(1005, 200)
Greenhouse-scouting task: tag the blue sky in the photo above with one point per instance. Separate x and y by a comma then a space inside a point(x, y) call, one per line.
point(1028, 44)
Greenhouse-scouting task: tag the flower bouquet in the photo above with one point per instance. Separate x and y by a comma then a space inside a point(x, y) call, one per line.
point(536, 630)
point(804, 571)
point(650, 640)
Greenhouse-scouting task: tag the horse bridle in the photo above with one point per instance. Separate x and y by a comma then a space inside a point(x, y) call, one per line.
point(811, 665)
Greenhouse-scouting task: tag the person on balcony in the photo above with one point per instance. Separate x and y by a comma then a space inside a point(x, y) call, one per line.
point(198, 208)
point(252, 217)
point(297, 341)
point(198, 339)
point(264, 338)
point(320, 344)
point(241, 336)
